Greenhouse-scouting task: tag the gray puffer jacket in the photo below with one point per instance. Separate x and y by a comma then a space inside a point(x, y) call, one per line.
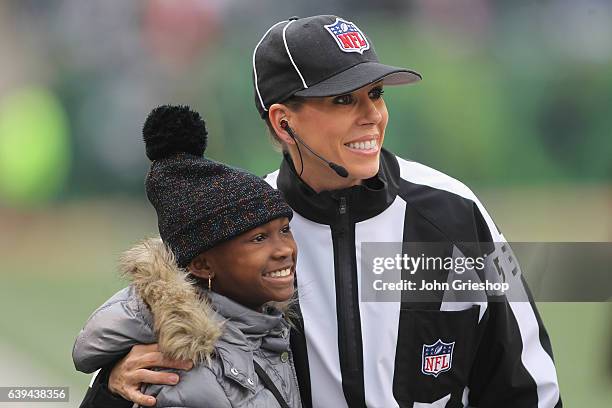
point(221, 337)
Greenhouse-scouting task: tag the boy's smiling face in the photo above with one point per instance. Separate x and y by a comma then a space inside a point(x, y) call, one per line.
point(253, 268)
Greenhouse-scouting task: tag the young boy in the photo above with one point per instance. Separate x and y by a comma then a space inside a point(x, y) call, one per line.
point(203, 291)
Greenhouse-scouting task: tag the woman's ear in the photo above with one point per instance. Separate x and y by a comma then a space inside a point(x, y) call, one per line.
point(277, 113)
point(200, 266)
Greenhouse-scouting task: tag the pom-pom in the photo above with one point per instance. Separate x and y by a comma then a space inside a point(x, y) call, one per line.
point(171, 129)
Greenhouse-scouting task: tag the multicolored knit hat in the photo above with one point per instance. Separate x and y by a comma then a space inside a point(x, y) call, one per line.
point(199, 202)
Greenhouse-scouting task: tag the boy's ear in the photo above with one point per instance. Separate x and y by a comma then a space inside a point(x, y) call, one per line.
point(200, 267)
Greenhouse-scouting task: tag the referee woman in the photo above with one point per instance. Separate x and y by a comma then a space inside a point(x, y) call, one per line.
point(319, 87)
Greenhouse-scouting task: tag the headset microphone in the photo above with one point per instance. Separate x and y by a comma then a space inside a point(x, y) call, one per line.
point(341, 171)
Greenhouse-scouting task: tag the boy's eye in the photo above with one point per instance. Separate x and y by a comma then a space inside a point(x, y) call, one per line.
point(343, 99)
point(258, 238)
point(376, 93)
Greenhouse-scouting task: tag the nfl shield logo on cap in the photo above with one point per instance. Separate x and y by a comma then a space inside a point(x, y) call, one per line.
point(437, 358)
point(348, 36)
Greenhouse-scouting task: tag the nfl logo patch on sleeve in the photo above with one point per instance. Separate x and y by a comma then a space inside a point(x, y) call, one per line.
point(437, 358)
point(348, 36)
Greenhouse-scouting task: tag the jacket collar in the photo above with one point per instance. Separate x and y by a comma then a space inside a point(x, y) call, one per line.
point(246, 330)
point(261, 329)
point(365, 201)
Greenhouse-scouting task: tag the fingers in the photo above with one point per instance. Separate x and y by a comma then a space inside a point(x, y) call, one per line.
point(131, 389)
point(177, 364)
point(155, 359)
point(155, 377)
point(140, 398)
point(132, 371)
point(149, 356)
point(127, 383)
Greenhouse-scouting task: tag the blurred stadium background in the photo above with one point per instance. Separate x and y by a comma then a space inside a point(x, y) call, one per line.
point(516, 102)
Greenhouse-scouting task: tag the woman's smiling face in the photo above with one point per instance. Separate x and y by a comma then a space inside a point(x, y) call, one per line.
point(348, 130)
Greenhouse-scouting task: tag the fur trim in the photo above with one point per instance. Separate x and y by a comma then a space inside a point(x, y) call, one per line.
point(288, 308)
point(185, 323)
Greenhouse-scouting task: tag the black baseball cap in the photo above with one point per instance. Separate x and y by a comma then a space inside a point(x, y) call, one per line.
point(317, 56)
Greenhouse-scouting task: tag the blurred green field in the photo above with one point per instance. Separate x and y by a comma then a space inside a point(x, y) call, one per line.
point(58, 265)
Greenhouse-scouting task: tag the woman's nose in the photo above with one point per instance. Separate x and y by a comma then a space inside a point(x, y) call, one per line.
point(370, 113)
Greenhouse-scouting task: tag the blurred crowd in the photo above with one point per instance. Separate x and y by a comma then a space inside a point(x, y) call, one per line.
point(513, 92)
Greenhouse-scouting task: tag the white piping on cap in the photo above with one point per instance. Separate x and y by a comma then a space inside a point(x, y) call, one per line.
point(289, 53)
point(255, 69)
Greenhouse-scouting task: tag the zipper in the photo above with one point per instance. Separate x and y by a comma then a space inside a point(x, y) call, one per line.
point(347, 304)
point(342, 208)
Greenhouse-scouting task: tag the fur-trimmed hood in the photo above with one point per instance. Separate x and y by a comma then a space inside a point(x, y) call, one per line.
point(186, 326)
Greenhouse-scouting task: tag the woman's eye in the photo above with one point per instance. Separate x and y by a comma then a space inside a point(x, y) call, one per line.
point(377, 93)
point(343, 99)
point(286, 229)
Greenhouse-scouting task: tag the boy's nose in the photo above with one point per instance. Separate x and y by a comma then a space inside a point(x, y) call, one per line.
point(283, 250)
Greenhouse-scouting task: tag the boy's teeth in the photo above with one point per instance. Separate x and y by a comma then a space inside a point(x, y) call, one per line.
point(278, 274)
point(369, 145)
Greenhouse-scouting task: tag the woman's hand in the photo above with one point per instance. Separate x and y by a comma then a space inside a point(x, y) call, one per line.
point(132, 371)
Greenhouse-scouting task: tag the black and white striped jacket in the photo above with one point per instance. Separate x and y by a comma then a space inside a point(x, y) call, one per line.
point(358, 354)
